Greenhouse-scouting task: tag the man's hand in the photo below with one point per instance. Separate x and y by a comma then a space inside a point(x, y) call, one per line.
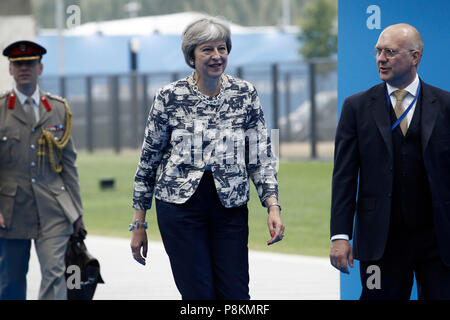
point(2, 222)
point(340, 254)
point(77, 225)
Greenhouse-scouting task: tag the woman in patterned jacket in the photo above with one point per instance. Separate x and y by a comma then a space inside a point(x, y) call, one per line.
point(205, 137)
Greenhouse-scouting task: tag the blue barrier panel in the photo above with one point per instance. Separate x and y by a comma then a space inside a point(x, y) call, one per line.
point(360, 24)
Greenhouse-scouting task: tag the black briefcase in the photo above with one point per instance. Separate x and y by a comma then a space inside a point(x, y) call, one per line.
point(81, 263)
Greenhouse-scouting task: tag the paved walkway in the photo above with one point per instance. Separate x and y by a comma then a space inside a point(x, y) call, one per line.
point(272, 276)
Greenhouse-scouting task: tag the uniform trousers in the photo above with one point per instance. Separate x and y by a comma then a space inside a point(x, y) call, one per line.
point(14, 258)
point(207, 245)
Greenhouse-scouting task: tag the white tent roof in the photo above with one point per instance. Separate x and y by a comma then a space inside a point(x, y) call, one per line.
point(161, 24)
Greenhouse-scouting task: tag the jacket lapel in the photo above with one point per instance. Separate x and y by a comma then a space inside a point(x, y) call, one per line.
point(380, 113)
point(19, 112)
point(430, 110)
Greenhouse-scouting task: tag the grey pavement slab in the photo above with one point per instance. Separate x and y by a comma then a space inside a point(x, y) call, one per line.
point(273, 276)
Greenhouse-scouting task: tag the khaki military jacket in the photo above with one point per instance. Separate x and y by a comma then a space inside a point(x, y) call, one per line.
point(35, 201)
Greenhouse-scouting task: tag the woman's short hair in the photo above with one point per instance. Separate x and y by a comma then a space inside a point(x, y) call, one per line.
point(201, 31)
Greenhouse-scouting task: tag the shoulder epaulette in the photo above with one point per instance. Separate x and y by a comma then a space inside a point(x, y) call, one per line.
point(54, 97)
point(10, 98)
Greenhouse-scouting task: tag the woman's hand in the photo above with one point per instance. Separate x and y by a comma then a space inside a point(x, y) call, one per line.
point(139, 243)
point(276, 226)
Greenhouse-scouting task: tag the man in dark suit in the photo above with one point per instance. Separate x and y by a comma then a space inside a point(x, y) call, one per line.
point(392, 170)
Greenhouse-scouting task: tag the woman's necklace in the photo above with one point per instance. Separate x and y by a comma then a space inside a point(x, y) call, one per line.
point(214, 101)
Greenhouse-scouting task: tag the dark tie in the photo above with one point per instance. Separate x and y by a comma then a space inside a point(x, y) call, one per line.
point(30, 110)
point(399, 109)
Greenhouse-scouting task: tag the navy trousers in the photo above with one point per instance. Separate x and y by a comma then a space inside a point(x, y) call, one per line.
point(14, 257)
point(206, 244)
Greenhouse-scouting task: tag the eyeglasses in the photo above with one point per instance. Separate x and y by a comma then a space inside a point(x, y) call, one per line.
point(389, 53)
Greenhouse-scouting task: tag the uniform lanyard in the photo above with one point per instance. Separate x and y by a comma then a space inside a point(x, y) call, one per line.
point(406, 111)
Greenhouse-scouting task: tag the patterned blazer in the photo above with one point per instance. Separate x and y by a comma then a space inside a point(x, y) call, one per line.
point(184, 134)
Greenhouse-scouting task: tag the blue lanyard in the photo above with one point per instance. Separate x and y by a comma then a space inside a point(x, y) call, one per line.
point(406, 111)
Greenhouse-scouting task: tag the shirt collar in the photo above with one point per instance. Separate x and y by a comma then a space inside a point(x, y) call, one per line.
point(22, 98)
point(412, 88)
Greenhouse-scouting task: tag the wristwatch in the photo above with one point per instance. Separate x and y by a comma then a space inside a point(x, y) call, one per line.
point(273, 204)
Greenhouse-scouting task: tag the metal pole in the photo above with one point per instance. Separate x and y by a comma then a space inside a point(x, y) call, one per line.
point(134, 111)
point(275, 107)
point(89, 116)
point(62, 86)
point(175, 76)
point(115, 113)
point(275, 96)
point(286, 13)
point(239, 72)
point(312, 96)
point(288, 106)
point(59, 17)
point(145, 107)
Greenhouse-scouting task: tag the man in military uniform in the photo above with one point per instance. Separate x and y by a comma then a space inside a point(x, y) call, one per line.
point(39, 191)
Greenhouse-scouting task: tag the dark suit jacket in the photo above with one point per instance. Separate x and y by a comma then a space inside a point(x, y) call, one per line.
point(363, 149)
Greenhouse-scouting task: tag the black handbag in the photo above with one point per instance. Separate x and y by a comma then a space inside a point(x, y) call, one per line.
point(77, 255)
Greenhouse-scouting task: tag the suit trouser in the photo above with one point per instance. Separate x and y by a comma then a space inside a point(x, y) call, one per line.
point(407, 254)
point(206, 244)
point(14, 258)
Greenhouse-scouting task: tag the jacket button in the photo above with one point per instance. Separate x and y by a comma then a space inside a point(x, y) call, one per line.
point(33, 181)
point(32, 147)
point(33, 164)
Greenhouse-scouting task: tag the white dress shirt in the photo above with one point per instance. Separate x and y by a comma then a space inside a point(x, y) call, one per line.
point(35, 97)
point(412, 91)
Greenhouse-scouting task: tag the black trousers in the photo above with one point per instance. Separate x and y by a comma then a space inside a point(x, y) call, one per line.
point(206, 244)
point(407, 253)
